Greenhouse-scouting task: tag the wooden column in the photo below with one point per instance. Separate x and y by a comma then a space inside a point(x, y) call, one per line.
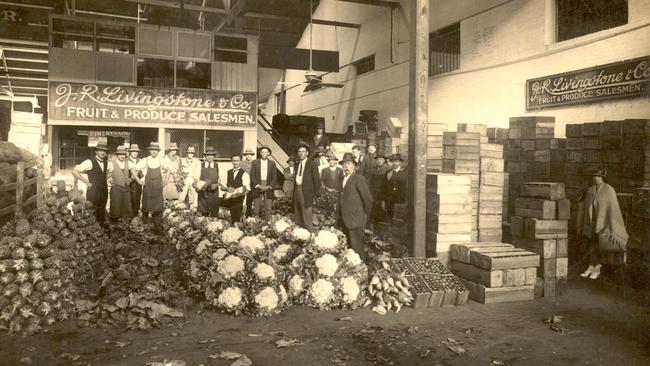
point(418, 119)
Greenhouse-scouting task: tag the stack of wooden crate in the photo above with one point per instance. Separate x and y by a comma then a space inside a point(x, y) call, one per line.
point(449, 213)
point(491, 193)
point(540, 225)
point(434, 146)
point(495, 272)
point(461, 156)
point(639, 242)
point(497, 135)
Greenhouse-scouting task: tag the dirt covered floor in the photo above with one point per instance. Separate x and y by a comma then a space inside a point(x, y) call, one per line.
point(595, 324)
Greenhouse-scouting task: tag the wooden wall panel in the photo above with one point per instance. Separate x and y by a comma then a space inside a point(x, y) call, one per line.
point(67, 65)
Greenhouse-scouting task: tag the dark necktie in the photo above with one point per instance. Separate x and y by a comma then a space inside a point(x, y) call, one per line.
point(300, 169)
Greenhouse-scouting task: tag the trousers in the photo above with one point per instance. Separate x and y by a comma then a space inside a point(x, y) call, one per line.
point(302, 214)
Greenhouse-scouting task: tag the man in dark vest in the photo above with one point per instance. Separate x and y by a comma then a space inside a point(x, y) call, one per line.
point(237, 185)
point(263, 175)
point(355, 204)
point(96, 170)
point(120, 178)
point(332, 176)
point(208, 185)
point(307, 185)
point(395, 184)
point(136, 189)
point(149, 174)
point(246, 164)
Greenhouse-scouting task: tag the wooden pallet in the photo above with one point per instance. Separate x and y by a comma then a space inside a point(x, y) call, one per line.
point(18, 188)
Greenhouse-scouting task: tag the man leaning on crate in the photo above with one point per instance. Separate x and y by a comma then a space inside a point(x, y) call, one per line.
point(96, 170)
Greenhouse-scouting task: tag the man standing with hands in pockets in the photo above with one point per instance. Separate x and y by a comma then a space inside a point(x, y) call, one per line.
point(307, 185)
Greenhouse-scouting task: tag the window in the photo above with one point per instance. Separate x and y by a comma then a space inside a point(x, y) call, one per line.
point(364, 65)
point(90, 36)
point(576, 18)
point(444, 48)
point(230, 49)
point(225, 143)
point(281, 102)
point(190, 74)
point(156, 73)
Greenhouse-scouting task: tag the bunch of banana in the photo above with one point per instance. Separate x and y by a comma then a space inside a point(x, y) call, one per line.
point(388, 290)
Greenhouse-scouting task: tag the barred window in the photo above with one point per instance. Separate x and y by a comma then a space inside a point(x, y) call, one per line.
point(577, 18)
point(444, 49)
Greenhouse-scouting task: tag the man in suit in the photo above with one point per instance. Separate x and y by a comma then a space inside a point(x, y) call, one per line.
point(319, 139)
point(289, 175)
point(237, 184)
point(332, 176)
point(357, 154)
point(395, 184)
point(307, 185)
point(378, 189)
point(355, 204)
point(369, 162)
point(246, 164)
point(264, 178)
point(208, 193)
point(136, 188)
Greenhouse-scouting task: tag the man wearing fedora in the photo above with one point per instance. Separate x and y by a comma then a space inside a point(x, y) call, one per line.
point(149, 174)
point(307, 185)
point(172, 164)
point(191, 167)
point(378, 189)
point(120, 178)
point(369, 161)
point(135, 187)
point(209, 201)
point(246, 164)
point(96, 170)
point(319, 139)
point(289, 176)
point(263, 176)
point(354, 206)
point(237, 185)
point(395, 184)
point(332, 176)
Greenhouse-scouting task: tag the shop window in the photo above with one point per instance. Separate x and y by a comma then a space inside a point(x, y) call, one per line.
point(190, 74)
point(444, 50)
point(194, 45)
point(226, 143)
point(230, 49)
point(115, 38)
point(73, 34)
point(364, 65)
point(155, 41)
point(76, 145)
point(155, 73)
point(577, 18)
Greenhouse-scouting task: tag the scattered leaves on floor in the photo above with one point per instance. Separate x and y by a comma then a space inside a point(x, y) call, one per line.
point(454, 346)
point(284, 343)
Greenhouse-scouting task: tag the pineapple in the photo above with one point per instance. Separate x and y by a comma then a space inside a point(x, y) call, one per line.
point(31, 254)
point(10, 290)
point(36, 276)
point(7, 278)
point(45, 253)
point(42, 287)
point(21, 265)
point(44, 309)
point(51, 274)
point(48, 320)
point(32, 327)
point(5, 250)
point(52, 297)
point(26, 289)
point(22, 277)
point(6, 265)
point(22, 227)
point(37, 264)
point(26, 312)
point(52, 263)
point(18, 253)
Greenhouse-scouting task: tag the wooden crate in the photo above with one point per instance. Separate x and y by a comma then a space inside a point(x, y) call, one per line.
point(535, 208)
point(545, 190)
point(485, 295)
point(546, 229)
point(21, 205)
point(516, 258)
point(573, 130)
point(546, 248)
point(461, 252)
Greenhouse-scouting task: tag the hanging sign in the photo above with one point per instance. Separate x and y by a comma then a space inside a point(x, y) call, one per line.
point(612, 81)
point(109, 103)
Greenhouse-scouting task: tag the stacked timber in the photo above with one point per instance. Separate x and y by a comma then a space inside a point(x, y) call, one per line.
point(495, 272)
point(540, 224)
point(461, 156)
point(432, 284)
point(434, 146)
point(639, 242)
point(491, 193)
point(497, 135)
point(449, 213)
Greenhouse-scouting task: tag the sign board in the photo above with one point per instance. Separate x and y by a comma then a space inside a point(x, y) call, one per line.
point(623, 79)
point(111, 103)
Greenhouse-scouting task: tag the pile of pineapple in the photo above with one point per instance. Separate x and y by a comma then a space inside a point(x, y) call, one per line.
point(43, 265)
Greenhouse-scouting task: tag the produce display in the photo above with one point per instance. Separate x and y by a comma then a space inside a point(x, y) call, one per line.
point(387, 288)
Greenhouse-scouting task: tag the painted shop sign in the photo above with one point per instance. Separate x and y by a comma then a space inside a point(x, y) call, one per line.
point(612, 81)
point(111, 103)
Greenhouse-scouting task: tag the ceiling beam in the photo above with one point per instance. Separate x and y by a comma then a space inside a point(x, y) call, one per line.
point(22, 5)
point(236, 11)
point(177, 5)
point(386, 4)
point(335, 23)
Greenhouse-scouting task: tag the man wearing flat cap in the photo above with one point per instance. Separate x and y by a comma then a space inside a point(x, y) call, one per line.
point(263, 181)
point(96, 170)
point(354, 206)
point(369, 161)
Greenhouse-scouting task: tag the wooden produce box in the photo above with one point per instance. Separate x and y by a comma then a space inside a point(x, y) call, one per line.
point(461, 138)
point(449, 204)
point(489, 222)
point(575, 143)
point(442, 183)
point(517, 226)
point(460, 152)
point(485, 295)
point(550, 144)
point(636, 127)
point(442, 242)
point(490, 235)
point(420, 291)
point(640, 204)
point(546, 229)
point(492, 165)
point(516, 258)
point(481, 129)
point(490, 207)
point(461, 252)
point(458, 166)
point(449, 224)
point(573, 130)
point(546, 248)
point(477, 275)
point(544, 190)
point(535, 208)
point(591, 129)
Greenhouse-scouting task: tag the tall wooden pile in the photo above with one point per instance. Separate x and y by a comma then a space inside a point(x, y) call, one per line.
point(495, 272)
point(434, 146)
point(540, 225)
point(497, 135)
point(491, 193)
point(639, 242)
point(461, 156)
point(449, 213)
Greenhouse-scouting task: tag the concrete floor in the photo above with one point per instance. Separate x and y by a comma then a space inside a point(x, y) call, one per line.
point(604, 325)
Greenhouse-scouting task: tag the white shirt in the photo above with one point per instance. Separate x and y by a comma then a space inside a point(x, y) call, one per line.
point(300, 173)
point(148, 163)
point(120, 164)
point(209, 165)
point(191, 167)
point(87, 165)
point(264, 168)
point(345, 179)
point(245, 178)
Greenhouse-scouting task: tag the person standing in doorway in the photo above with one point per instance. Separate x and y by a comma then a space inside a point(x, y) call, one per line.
point(600, 222)
point(136, 188)
point(263, 180)
point(96, 170)
point(151, 168)
point(120, 178)
point(355, 204)
point(306, 187)
point(319, 139)
point(395, 184)
point(369, 162)
point(289, 177)
point(237, 185)
point(208, 185)
point(191, 167)
point(249, 156)
point(332, 176)
point(172, 165)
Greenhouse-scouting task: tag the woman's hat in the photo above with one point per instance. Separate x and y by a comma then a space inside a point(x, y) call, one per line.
point(348, 157)
point(101, 146)
point(599, 172)
point(266, 148)
point(190, 150)
point(250, 151)
point(121, 150)
point(154, 146)
point(396, 157)
point(209, 151)
point(173, 146)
